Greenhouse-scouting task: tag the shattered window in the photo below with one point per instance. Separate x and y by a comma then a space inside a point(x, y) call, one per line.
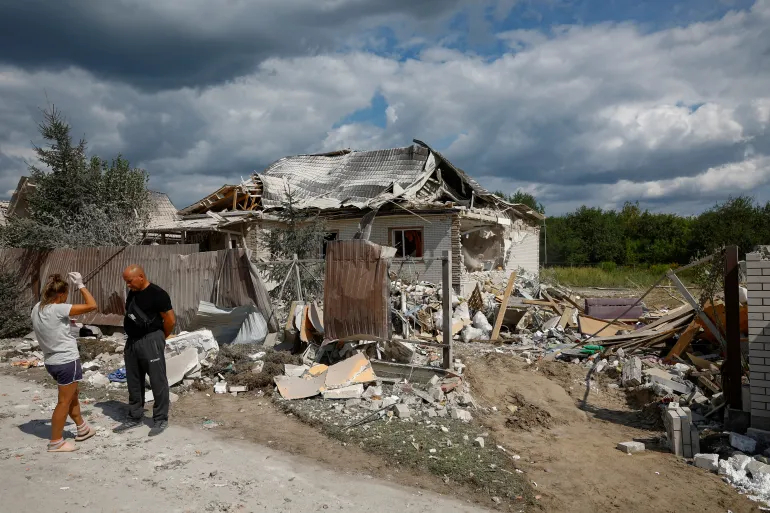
point(407, 241)
point(328, 237)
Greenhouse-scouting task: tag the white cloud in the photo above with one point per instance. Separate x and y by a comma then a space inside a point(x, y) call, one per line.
point(597, 114)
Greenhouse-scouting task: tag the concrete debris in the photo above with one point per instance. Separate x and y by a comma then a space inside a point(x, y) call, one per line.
point(236, 390)
point(295, 371)
point(709, 462)
point(743, 443)
point(220, 388)
point(402, 411)
point(632, 373)
point(631, 447)
point(683, 437)
point(99, 380)
point(258, 367)
point(180, 366)
point(202, 340)
point(373, 393)
point(479, 442)
point(348, 392)
point(464, 415)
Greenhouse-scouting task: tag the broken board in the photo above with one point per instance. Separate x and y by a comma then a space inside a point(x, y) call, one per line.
point(317, 317)
point(590, 326)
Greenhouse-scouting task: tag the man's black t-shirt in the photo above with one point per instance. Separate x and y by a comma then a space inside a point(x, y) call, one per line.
point(152, 301)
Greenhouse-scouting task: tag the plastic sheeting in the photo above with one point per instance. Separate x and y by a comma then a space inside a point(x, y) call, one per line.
point(239, 325)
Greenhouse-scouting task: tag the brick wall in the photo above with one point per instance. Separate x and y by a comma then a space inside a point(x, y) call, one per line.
point(758, 281)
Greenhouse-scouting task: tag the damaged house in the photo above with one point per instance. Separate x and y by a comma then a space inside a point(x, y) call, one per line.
point(424, 205)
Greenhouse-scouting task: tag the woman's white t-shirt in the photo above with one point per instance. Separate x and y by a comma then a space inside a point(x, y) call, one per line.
point(52, 329)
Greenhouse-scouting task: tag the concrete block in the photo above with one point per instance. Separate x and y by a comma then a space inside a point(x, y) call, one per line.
point(402, 411)
point(758, 469)
point(694, 440)
point(220, 388)
point(631, 375)
point(759, 413)
point(349, 392)
point(458, 414)
point(760, 422)
point(179, 366)
point(235, 390)
point(743, 443)
point(755, 360)
point(758, 406)
point(709, 462)
point(664, 378)
point(294, 371)
point(760, 435)
point(631, 447)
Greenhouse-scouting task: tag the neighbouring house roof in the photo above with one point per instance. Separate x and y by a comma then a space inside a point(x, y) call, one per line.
point(162, 211)
point(415, 175)
point(3, 212)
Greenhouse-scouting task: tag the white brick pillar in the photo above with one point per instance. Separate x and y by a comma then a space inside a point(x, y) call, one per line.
point(758, 278)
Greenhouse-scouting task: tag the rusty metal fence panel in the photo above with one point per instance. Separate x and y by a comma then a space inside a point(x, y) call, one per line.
point(225, 278)
point(356, 291)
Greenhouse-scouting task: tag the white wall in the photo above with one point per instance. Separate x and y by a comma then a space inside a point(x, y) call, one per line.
point(436, 239)
point(523, 246)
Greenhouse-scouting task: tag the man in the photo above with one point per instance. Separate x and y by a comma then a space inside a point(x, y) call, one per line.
point(149, 321)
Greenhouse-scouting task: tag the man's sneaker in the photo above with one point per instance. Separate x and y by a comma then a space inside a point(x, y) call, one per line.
point(158, 428)
point(128, 424)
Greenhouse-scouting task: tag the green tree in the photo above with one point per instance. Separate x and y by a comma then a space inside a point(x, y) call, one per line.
point(79, 201)
point(739, 221)
point(300, 232)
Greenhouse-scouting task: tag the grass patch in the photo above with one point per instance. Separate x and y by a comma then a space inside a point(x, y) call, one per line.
point(609, 276)
point(454, 456)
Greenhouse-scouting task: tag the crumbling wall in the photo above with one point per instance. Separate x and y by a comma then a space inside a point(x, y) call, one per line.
point(483, 249)
point(522, 247)
point(758, 280)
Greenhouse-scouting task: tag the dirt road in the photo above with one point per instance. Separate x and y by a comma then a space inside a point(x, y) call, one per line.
point(184, 470)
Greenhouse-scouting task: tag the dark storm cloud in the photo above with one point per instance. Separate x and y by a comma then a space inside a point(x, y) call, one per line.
point(176, 43)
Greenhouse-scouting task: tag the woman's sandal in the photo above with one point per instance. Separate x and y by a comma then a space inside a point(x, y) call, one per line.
point(67, 446)
point(88, 434)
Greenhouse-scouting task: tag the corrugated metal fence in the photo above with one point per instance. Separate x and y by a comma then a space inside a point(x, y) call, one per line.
point(356, 292)
point(226, 278)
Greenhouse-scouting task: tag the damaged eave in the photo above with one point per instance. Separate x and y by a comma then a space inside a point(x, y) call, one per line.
point(477, 216)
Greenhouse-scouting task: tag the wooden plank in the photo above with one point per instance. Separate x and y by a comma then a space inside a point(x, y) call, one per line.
point(566, 317)
point(590, 325)
point(553, 303)
point(574, 304)
point(503, 307)
point(684, 341)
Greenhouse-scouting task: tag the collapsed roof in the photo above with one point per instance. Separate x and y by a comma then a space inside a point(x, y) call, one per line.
point(415, 175)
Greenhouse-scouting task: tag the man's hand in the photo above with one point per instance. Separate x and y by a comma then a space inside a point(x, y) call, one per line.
point(76, 279)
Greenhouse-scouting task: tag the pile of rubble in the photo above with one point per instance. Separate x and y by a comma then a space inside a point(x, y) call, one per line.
point(351, 388)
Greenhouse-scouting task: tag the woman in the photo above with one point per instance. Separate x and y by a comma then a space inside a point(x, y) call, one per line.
point(51, 322)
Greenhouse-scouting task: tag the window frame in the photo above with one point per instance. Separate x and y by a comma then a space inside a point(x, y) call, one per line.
point(420, 229)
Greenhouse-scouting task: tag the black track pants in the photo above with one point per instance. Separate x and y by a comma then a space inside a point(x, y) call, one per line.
point(146, 356)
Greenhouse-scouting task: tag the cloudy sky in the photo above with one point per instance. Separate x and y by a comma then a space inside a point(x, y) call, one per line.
point(597, 102)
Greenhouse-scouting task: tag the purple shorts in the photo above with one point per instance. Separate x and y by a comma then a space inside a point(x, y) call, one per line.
point(66, 373)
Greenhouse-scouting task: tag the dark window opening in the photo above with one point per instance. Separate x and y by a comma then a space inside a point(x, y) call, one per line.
point(328, 237)
point(408, 242)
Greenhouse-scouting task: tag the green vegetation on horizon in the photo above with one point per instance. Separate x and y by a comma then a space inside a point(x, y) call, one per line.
point(632, 236)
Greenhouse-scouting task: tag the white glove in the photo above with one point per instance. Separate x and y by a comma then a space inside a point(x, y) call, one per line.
point(76, 279)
